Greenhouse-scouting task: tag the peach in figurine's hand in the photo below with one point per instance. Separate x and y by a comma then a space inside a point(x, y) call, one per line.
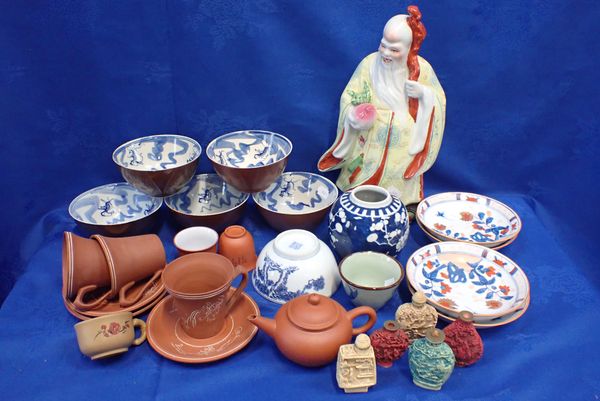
point(362, 116)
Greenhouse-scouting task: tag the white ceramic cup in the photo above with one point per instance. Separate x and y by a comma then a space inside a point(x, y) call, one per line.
point(370, 278)
point(196, 239)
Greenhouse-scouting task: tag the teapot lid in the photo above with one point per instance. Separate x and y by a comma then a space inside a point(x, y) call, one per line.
point(313, 312)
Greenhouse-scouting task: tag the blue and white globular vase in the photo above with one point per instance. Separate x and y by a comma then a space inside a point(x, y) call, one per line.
point(368, 218)
point(295, 263)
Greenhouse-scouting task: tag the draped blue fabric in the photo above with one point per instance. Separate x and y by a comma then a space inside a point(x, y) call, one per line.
point(79, 78)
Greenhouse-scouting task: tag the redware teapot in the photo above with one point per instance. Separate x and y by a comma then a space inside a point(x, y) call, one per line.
point(310, 329)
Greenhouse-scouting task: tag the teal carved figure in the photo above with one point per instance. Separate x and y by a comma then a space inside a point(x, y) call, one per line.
point(431, 360)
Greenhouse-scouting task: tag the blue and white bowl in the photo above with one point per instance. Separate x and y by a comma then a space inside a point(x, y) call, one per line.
point(115, 209)
point(296, 200)
point(368, 218)
point(207, 201)
point(249, 160)
point(295, 263)
point(159, 165)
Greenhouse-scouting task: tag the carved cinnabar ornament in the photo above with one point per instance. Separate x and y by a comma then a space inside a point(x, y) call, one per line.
point(389, 342)
point(464, 340)
point(416, 317)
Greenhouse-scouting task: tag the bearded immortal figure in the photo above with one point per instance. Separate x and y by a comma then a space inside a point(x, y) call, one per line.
point(392, 116)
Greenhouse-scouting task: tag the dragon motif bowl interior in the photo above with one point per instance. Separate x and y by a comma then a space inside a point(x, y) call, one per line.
point(115, 209)
point(207, 201)
point(158, 165)
point(296, 200)
point(249, 160)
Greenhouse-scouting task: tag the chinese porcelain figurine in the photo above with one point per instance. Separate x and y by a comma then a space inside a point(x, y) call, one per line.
point(431, 360)
point(356, 370)
point(392, 115)
point(389, 342)
point(368, 218)
point(464, 340)
point(416, 317)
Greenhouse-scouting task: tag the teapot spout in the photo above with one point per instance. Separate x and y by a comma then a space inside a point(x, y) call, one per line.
point(266, 325)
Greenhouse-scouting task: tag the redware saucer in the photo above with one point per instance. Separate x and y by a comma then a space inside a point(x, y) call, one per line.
point(136, 312)
point(166, 336)
point(151, 294)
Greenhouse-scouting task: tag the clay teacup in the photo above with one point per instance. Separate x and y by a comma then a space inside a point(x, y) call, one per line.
point(237, 245)
point(109, 335)
point(196, 239)
point(199, 284)
point(84, 269)
point(132, 259)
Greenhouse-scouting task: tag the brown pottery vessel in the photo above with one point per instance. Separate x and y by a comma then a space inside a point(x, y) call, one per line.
point(132, 259)
point(236, 244)
point(310, 329)
point(84, 269)
point(199, 284)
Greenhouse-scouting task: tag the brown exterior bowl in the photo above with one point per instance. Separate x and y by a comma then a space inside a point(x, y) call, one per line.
point(242, 169)
point(137, 162)
point(283, 221)
point(115, 210)
point(296, 200)
point(207, 201)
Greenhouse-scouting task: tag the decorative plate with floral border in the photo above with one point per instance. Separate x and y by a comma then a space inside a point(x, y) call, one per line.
point(467, 217)
point(489, 323)
point(434, 238)
point(456, 276)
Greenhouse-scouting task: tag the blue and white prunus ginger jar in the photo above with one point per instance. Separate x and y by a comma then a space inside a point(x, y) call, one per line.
point(368, 218)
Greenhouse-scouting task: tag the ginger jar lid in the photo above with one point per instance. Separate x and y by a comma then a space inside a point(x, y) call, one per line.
point(313, 312)
point(296, 244)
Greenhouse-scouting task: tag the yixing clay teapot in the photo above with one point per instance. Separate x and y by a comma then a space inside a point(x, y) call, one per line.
point(310, 329)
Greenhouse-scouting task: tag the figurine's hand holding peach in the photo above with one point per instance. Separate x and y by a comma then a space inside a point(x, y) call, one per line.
point(414, 89)
point(362, 117)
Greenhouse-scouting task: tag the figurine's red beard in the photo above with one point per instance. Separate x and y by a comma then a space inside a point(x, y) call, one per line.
point(388, 79)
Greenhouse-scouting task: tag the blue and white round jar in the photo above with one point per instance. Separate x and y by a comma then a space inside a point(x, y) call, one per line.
point(368, 218)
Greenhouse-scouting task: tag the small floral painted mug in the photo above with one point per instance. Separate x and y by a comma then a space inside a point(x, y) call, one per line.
point(109, 335)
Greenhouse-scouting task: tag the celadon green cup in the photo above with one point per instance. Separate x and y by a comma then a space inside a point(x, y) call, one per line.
point(370, 278)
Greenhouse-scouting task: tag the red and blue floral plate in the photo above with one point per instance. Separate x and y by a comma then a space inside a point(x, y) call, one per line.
point(457, 276)
point(467, 217)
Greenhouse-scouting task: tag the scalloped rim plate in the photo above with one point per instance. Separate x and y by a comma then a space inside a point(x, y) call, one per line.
point(457, 276)
point(468, 217)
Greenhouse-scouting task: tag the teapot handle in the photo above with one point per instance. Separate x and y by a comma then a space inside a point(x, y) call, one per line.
point(362, 310)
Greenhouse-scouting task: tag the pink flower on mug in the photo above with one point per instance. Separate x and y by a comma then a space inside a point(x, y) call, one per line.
point(114, 328)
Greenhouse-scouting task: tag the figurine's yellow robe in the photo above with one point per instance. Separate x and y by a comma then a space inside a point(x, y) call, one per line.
point(380, 155)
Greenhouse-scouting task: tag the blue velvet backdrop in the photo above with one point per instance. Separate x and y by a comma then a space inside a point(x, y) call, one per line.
point(79, 77)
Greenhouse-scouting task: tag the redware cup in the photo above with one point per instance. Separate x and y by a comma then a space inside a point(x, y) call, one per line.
point(196, 239)
point(237, 245)
point(84, 269)
point(131, 259)
point(199, 284)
